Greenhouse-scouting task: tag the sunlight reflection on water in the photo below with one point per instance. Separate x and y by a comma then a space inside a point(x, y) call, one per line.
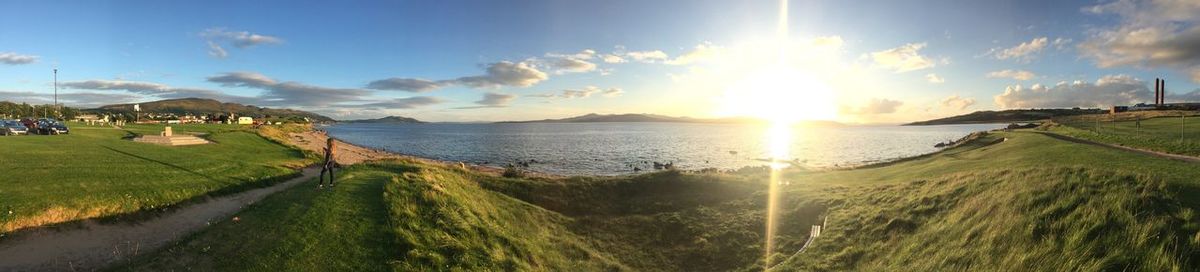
point(611, 148)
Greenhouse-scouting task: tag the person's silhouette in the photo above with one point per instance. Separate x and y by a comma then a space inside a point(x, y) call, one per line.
point(328, 165)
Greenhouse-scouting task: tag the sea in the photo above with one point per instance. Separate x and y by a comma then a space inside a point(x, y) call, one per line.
point(619, 148)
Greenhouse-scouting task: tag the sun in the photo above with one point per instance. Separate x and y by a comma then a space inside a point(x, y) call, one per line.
point(780, 94)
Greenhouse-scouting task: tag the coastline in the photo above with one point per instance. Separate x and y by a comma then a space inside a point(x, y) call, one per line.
point(349, 154)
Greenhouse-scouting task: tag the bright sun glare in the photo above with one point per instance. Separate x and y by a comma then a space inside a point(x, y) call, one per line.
point(780, 93)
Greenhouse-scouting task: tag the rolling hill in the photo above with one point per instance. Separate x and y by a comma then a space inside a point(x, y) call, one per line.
point(1004, 116)
point(210, 106)
point(387, 120)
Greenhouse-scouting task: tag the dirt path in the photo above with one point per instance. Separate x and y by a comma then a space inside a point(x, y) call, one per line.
point(95, 246)
point(1123, 148)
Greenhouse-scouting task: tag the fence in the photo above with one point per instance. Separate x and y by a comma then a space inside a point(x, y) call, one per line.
point(1168, 131)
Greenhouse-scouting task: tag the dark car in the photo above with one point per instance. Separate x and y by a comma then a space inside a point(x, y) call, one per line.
point(12, 127)
point(47, 126)
point(29, 124)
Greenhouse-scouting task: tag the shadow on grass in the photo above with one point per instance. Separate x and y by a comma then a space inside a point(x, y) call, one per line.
point(180, 168)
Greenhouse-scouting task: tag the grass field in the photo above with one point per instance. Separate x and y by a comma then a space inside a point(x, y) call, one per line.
point(1008, 201)
point(93, 172)
point(1162, 131)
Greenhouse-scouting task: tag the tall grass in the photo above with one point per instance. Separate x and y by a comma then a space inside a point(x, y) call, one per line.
point(1037, 219)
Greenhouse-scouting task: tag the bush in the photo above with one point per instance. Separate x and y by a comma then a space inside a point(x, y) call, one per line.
point(512, 172)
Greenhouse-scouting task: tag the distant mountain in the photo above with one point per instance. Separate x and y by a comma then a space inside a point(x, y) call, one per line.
point(387, 120)
point(643, 117)
point(598, 118)
point(1005, 116)
point(201, 106)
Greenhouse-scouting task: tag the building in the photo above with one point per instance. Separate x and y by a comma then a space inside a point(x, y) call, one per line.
point(245, 120)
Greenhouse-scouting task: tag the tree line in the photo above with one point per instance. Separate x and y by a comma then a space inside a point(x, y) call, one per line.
point(10, 110)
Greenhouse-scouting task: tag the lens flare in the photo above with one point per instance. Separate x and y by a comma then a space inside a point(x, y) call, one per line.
point(779, 139)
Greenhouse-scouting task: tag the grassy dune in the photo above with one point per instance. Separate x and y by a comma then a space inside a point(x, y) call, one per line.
point(1009, 201)
point(93, 172)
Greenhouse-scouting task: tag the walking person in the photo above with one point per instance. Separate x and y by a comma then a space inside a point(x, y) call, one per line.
point(329, 164)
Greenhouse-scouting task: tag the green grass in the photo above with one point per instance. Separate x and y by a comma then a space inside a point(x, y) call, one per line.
point(93, 172)
point(399, 216)
point(1007, 201)
point(1164, 132)
point(301, 229)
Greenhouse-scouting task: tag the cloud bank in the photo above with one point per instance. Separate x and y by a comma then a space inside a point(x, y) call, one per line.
point(1106, 91)
point(11, 58)
point(903, 59)
point(498, 74)
point(1152, 34)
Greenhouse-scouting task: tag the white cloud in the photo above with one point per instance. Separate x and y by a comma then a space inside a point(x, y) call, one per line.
point(215, 50)
point(700, 53)
point(289, 93)
point(934, 78)
point(874, 106)
point(505, 73)
point(1152, 34)
point(562, 65)
point(903, 59)
point(499, 74)
point(585, 54)
point(215, 37)
point(16, 59)
point(611, 58)
point(585, 92)
point(1023, 52)
point(1013, 74)
point(1061, 43)
point(613, 92)
point(156, 90)
point(958, 103)
point(495, 100)
point(647, 56)
point(406, 84)
point(1106, 91)
point(403, 103)
point(76, 99)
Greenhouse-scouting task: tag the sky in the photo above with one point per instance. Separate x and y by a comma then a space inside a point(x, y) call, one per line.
point(873, 61)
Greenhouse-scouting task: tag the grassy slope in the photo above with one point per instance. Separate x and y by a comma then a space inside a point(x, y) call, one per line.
point(94, 173)
point(386, 216)
point(1028, 203)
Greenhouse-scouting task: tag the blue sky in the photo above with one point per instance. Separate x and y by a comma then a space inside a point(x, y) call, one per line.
point(882, 61)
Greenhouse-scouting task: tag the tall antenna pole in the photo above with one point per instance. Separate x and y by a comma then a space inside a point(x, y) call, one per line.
point(56, 109)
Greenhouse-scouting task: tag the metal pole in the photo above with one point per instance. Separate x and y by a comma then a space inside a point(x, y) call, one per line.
point(56, 109)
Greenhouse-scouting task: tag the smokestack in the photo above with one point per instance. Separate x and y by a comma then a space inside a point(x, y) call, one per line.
point(1156, 91)
point(1164, 92)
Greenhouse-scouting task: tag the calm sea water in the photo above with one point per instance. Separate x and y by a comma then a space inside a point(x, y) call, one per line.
point(614, 148)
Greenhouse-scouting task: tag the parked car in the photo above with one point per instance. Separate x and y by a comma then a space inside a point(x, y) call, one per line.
point(47, 126)
point(30, 124)
point(13, 127)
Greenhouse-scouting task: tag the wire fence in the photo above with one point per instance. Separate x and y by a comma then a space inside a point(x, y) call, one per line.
point(1169, 131)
